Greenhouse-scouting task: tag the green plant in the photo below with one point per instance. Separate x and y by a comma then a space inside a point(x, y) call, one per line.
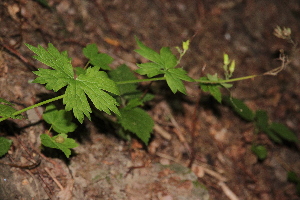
point(277, 132)
point(293, 178)
point(97, 87)
point(43, 3)
point(260, 151)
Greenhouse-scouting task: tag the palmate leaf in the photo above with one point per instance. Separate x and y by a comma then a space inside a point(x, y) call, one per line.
point(162, 63)
point(92, 84)
point(147, 52)
point(174, 79)
point(54, 79)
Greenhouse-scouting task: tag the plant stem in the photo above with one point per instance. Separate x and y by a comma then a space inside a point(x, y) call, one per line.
point(140, 80)
point(199, 80)
point(34, 106)
point(229, 80)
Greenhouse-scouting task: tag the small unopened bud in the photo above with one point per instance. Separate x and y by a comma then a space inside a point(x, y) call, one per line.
point(232, 67)
point(185, 45)
point(226, 59)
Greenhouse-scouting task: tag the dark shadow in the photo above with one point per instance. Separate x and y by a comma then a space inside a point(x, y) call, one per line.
point(208, 102)
point(175, 101)
point(103, 124)
point(46, 96)
point(56, 153)
point(9, 128)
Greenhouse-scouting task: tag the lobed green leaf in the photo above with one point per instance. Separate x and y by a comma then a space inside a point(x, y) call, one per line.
point(93, 83)
point(60, 141)
point(149, 69)
point(174, 79)
point(147, 52)
point(168, 59)
point(54, 79)
point(163, 63)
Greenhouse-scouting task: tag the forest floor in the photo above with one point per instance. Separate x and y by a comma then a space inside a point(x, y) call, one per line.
point(187, 128)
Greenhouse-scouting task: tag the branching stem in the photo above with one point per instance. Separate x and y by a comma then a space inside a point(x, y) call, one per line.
point(199, 81)
point(128, 82)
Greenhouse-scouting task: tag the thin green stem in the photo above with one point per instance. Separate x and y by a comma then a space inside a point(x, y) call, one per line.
point(229, 80)
point(199, 81)
point(34, 106)
point(140, 80)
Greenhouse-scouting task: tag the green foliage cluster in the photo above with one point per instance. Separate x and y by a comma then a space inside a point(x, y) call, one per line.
point(115, 92)
point(277, 132)
point(99, 87)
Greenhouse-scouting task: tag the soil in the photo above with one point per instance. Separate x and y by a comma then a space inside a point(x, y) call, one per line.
point(199, 149)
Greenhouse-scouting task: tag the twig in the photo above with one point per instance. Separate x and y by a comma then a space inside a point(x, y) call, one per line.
point(284, 62)
point(47, 188)
point(35, 182)
point(228, 192)
point(54, 179)
point(31, 166)
point(16, 53)
point(214, 174)
point(167, 157)
point(180, 134)
point(205, 169)
point(162, 132)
